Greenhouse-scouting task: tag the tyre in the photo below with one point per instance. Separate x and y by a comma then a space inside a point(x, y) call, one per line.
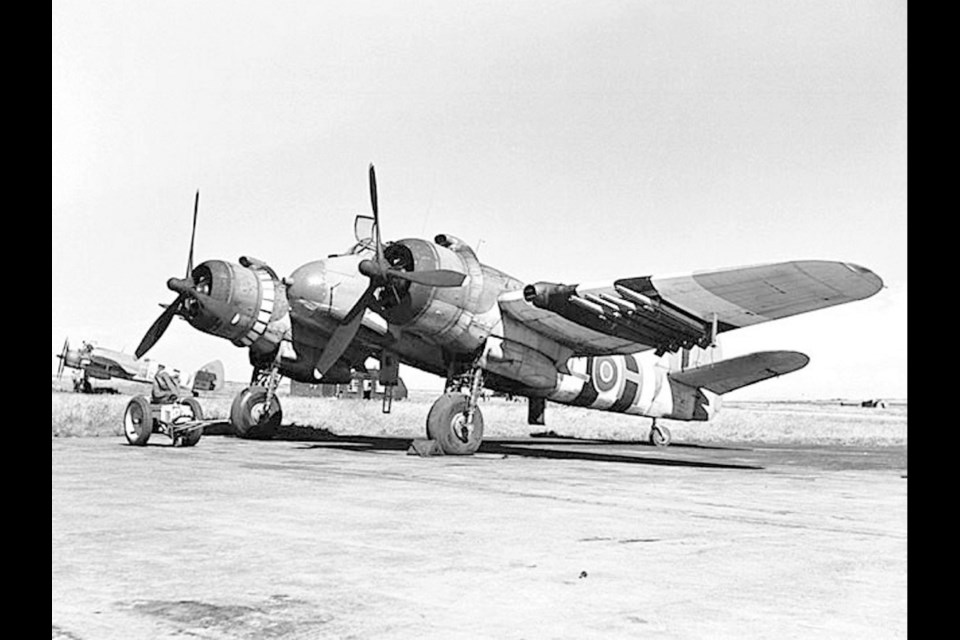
point(191, 437)
point(660, 436)
point(446, 423)
point(137, 421)
point(251, 417)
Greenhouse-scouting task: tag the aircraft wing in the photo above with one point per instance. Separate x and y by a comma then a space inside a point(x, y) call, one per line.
point(680, 311)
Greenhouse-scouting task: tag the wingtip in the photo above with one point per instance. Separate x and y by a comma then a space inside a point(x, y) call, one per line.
point(786, 361)
point(872, 280)
point(800, 360)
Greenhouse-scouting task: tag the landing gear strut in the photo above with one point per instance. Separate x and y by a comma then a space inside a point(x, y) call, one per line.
point(256, 411)
point(82, 385)
point(455, 420)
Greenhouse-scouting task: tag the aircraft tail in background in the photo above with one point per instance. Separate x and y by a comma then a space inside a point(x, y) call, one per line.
point(209, 377)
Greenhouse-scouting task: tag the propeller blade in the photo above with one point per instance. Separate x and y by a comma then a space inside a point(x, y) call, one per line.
point(376, 213)
point(379, 271)
point(435, 278)
point(438, 278)
point(63, 357)
point(373, 189)
point(193, 233)
point(158, 327)
point(345, 332)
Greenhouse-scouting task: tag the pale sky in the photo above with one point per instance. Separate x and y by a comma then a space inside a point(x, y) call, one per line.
point(573, 141)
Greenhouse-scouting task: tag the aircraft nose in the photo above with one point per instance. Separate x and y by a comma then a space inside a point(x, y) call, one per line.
point(308, 285)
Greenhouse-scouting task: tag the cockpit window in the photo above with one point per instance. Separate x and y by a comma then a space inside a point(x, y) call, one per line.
point(363, 228)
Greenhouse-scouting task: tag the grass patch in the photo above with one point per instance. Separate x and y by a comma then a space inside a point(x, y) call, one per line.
point(76, 414)
point(828, 423)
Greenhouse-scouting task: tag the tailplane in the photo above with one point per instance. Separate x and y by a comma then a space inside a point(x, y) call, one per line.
point(725, 376)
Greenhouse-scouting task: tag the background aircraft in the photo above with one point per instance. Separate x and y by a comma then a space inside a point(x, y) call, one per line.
point(92, 361)
point(646, 345)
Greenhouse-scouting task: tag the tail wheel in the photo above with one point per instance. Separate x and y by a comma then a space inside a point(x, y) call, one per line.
point(250, 415)
point(447, 424)
point(660, 436)
point(191, 437)
point(137, 421)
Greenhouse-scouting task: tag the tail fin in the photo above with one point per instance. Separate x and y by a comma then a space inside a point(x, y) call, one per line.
point(725, 376)
point(208, 377)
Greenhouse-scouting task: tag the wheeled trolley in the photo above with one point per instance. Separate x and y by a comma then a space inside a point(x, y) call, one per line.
point(182, 421)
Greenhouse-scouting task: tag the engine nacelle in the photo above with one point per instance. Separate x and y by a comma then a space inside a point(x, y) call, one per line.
point(448, 315)
point(256, 314)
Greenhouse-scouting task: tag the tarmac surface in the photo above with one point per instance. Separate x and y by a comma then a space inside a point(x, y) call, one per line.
point(536, 538)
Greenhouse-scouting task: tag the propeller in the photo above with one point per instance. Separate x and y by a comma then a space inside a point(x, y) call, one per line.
point(186, 290)
point(345, 331)
point(380, 273)
point(193, 234)
point(159, 326)
point(380, 270)
point(63, 357)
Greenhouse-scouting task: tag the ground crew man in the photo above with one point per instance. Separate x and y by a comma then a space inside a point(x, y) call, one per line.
point(165, 387)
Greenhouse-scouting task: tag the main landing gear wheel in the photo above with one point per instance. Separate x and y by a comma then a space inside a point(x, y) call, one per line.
point(659, 436)
point(191, 437)
point(447, 424)
point(137, 421)
point(251, 417)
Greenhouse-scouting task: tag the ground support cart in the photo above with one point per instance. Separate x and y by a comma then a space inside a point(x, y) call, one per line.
point(181, 420)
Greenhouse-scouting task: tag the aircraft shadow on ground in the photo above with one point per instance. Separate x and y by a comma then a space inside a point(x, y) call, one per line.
point(551, 448)
point(551, 436)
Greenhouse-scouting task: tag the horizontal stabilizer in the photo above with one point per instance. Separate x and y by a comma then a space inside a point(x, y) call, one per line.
point(727, 375)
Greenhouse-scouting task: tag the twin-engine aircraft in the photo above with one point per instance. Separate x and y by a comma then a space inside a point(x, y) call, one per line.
point(642, 345)
point(92, 361)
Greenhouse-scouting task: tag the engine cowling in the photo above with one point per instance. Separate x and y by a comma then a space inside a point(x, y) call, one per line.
point(257, 315)
point(452, 317)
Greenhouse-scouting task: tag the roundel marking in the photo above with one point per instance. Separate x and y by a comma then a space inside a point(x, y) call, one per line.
point(605, 373)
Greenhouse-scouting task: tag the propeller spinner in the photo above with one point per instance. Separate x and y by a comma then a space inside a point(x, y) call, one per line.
point(380, 274)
